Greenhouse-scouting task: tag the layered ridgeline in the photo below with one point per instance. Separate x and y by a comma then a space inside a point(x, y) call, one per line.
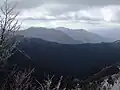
point(63, 35)
point(80, 60)
point(49, 35)
point(71, 61)
point(83, 35)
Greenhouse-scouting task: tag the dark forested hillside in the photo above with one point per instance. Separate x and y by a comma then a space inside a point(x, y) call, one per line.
point(80, 60)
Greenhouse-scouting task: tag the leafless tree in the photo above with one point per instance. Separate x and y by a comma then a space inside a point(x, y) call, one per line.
point(47, 85)
point(8, 26)
point(19, 80)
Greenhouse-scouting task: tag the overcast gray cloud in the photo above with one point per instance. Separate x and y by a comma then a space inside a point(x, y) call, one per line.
point(69, 13)
point(34, 3)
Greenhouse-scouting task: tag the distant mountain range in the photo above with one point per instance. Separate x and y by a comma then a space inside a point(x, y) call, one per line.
point(49, 35)
point(63, 35)
point(83, 35)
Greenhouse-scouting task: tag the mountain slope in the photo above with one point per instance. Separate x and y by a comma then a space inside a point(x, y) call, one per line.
point(83, 35)
point(62, 59)
point(49, 35)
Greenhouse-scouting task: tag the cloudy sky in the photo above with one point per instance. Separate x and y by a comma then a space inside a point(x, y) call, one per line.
point(88, 14)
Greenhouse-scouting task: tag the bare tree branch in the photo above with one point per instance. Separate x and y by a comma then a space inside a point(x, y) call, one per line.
point(8, 26)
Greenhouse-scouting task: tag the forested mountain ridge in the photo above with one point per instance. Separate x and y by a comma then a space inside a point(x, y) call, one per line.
point(79, 60)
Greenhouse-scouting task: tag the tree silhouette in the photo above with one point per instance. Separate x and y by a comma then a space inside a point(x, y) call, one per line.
point(8, 26)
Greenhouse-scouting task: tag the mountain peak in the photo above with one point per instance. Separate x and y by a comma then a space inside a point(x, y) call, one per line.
point(62, 28)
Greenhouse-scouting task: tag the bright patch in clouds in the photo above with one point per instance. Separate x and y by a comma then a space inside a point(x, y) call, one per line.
point(107, 14)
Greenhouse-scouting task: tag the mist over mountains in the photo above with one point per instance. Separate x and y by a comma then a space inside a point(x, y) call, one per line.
point(112, 33)
point(83, 35)
point(64, 35)
point(49, 35)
